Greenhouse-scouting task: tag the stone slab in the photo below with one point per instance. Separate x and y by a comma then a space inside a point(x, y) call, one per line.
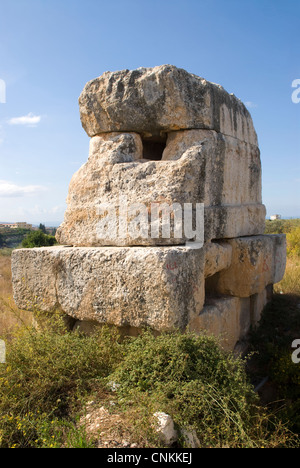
point(232, 167)
point(150, 101)
point(206, 173)
point(218, 256)
point(257, 304)
point(227, 318)
point(233, 221)
point(160, 287)
point(257, 262)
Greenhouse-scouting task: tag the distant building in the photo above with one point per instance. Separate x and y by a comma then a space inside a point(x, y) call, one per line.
point(9, 225)
point(274, 217)
point(24, 226)
point(16, 225)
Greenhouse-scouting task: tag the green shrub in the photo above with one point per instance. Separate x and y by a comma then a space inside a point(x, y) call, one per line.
point(275, 227)
point(154, 361)
point(281, 226)
point(201, 386)
point(5, 252)
point(45, 374)
point(38, 239)
point(49, 373)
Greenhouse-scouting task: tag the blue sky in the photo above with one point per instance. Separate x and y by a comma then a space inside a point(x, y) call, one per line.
point(49, 49)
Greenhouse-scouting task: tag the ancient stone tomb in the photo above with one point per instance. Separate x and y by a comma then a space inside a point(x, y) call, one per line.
point(160, 138)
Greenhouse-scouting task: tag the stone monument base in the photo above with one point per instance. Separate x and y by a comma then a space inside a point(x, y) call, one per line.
point(220, 288)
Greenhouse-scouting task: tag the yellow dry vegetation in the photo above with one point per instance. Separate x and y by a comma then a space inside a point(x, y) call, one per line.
point(10, 316)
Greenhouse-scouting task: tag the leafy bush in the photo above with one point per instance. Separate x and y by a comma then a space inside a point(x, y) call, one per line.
point(275, 227)
point(281, 226)
point(5, 252)
point(49, 373)
point(12, 238)
point(290, 227)
point(45, 375)
point(197, 383)
point(38, 239)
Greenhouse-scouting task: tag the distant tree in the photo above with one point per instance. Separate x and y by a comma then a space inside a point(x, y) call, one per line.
point(275, 227)
point(281, 226)
point(38, 239)
point(42, 228)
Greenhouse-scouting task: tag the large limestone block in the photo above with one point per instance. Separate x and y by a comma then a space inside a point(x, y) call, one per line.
point(258, 303)
point(232, 168)
point(158, 287)
point(202, 171)
point(227, 318)
point(218, 257)
point(98, 191)
point(115, 148)
point(161, 99)
point(226, 222)
point(257, 262)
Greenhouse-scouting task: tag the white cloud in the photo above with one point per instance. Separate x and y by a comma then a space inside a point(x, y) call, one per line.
point(32, 213)
point(29, 120)
point(37, 210)
point(250, 104)
point(9, 189)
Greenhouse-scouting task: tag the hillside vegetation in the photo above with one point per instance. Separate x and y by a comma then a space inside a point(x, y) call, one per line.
point(12, 238)
point(10, 316)
point(64, 389)
point(291, 227)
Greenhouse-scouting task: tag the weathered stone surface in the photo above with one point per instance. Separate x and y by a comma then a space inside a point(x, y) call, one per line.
point(232, 167)
point(115, 148)
point(227, 318)
point(257, 304)
point(218, 257)
point(222, 222)
point(161, 99)
point(256, 262)
point(159, 287)
point(211, 157)
point(2, 352)
point(203, 173)
point(165, 428)
point(190, 438)
point(119, 187)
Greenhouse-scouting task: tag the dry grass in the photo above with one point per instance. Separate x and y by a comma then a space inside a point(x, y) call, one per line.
point(10, 316)
point(290, 284)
